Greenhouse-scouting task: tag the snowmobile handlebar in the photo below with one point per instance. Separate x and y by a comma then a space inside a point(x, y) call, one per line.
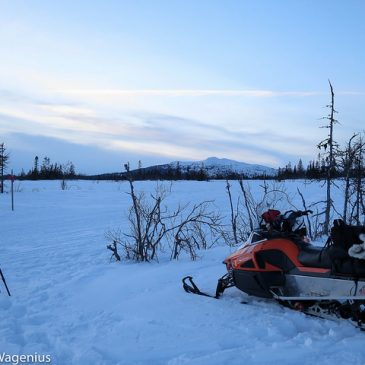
point(274, 217)
point(298, 213)
point(290, 217)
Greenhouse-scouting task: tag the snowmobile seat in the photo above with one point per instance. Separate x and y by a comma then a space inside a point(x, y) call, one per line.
point(314, 256)
point(332, 257)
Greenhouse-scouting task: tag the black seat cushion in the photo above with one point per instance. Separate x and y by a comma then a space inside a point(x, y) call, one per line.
point(314, 256)
point(334, 258)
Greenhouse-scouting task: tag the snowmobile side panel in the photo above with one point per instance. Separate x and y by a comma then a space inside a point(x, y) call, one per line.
point(274, 257)
point(258, 283)
point(313, 270)
point(325, 288)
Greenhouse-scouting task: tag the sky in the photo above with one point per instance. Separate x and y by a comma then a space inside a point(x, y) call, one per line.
point(100, 83)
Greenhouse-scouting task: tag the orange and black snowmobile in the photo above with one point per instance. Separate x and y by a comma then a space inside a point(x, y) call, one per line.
point(278, 262)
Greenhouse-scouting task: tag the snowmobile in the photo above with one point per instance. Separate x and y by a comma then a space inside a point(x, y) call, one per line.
point(278, 262)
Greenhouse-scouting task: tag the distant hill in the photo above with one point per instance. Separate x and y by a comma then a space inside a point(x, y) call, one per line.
point(211, 168)
point(221, 166)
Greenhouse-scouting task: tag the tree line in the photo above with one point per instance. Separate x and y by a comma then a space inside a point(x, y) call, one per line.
point(46, 170)
point(176, 172)
point(317, 169)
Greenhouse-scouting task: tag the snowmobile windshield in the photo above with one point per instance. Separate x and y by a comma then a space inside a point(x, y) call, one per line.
point(256, 237)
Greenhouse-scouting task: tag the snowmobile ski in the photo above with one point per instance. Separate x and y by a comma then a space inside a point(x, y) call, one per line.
point(223, 283)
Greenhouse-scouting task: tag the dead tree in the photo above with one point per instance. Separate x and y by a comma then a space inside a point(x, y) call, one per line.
point(358, 182)
point(234, 213)
point(4, 160)
point(247, 199)
point(249, 216)
point(347, 158)
point(329, 146)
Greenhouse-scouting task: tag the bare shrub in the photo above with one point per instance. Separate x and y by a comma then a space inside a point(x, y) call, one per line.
point(315, 222)
point(153, 227)
point(64, 185)
point(147, 224)
point(114, 248)
point(194, 228)
point(18, 188)
point(246, 210)
point(354, 204)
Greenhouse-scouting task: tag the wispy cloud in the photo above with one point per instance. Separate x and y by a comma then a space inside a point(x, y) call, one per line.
point(162, 135)
point(166, 130)
point(186, 92)
point(351, 93)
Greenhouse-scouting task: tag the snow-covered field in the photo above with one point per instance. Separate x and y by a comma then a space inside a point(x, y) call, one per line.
point(70, 302)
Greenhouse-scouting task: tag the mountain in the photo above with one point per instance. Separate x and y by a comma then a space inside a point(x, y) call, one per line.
point(212, 167)
point(222, 166)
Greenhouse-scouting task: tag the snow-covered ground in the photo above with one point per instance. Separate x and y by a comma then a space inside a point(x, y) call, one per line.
point(70, 302)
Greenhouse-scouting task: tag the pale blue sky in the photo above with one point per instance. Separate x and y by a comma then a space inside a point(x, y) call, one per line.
point(103, 82)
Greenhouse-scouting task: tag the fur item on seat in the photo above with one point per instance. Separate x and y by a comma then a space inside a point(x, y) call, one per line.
point(358, 250)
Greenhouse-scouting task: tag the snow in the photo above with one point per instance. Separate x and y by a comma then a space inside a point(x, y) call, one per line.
point(69, 301)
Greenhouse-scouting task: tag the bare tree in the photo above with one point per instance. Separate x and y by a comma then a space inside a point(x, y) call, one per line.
point(249, 215)
point(359, 168)
point(357, 184)
point(4, 160)
point(329, 146)
point(347, 161)
point(234, 213)
point(249, 205)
